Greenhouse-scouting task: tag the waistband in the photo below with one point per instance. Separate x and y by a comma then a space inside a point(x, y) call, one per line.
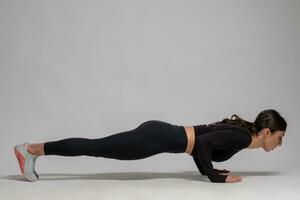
point(181, 139)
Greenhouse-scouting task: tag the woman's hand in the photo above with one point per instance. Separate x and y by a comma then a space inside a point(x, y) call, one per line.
point(231, 179)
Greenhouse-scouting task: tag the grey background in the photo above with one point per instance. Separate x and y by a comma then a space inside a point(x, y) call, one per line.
point(95, 68)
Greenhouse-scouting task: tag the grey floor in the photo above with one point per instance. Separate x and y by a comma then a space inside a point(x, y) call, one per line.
point(148, 185)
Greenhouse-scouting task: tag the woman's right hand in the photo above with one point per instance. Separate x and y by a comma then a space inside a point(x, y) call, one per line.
point(231, 179)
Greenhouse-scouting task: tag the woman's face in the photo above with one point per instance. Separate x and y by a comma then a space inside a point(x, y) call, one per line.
point(271, 141)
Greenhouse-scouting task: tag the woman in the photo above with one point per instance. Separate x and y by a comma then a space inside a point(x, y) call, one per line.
point(217, 142)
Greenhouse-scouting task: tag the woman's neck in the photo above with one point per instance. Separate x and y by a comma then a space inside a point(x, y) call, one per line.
point(256, 142)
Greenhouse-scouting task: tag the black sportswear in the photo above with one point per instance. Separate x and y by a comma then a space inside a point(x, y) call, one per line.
point(213, 142)
point(217, 142)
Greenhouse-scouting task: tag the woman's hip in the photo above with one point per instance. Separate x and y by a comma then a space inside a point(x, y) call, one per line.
point(173, 137)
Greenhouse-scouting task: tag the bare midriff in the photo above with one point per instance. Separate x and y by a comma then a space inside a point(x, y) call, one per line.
point(190, 133)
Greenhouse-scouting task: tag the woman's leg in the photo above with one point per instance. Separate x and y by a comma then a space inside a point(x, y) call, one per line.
point(150, 138)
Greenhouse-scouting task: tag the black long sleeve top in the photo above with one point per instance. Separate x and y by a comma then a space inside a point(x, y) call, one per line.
point(217, 142)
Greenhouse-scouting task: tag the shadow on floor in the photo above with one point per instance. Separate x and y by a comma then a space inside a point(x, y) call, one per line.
point(190, 175)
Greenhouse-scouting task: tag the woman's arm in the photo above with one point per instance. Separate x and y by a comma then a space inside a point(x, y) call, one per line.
point(220, 139)
point(199, 166)
point(203, 172)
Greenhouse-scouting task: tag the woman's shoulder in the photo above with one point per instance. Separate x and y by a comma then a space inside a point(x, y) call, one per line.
point(219, 125)
point(242, 134)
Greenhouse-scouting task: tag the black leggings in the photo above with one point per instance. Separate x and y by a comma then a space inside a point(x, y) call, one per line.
point(149, 138)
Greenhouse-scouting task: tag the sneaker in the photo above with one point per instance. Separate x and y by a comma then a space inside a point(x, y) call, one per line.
point(26, 162)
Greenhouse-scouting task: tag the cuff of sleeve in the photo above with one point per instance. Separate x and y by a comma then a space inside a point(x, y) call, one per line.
point(217, 178)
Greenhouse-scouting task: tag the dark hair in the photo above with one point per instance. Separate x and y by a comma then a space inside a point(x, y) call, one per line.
point(265, 119)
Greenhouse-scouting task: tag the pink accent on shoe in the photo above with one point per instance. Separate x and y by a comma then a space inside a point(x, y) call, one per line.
point(21, 160)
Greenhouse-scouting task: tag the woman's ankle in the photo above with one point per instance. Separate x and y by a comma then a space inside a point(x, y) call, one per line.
point(36, 149)
point(29, 149)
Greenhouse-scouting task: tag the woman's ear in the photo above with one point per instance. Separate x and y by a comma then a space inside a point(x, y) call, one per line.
point(267, 132)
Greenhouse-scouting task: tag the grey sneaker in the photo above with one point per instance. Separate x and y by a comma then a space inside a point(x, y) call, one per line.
point(26, 162)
